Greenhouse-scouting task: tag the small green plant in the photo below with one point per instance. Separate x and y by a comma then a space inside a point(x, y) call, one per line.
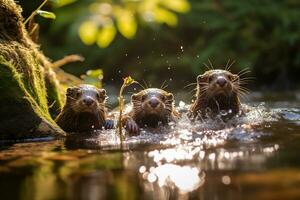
point(126, 82)
point(42, 13)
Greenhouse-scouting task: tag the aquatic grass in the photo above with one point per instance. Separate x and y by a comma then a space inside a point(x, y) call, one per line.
point(126, 82)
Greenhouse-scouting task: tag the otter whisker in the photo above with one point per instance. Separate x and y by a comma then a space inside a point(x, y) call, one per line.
point(210, 63)
point(140, 85)
point(226, 66)
point(71, 98)
point(207, 66)
point(190, 84)
point(244, 91)
point(241, 87)
point(145, 83)
point(230, 65)
point(243, 72)
point(162, 85)
point(247, 79)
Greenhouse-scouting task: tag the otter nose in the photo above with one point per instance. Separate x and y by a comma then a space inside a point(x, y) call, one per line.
point(153, 102)
point(221, 81)
point(88, 101)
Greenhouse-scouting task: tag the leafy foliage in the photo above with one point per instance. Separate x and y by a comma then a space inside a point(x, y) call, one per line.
point(262, 35)
point(106, 17)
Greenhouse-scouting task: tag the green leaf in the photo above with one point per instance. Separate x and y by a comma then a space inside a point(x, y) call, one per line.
point(46, 14)
point(181, 6)
point(127, 24)
point(61, 3)
point(106, 35)
point(88, 32)
point(165, 16)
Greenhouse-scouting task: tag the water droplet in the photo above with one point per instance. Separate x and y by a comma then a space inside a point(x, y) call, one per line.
point(126, 54)
point(226, 180)
point(198, 56)
point(212, 156)
point(169, 68)
point(181, 47)
point(161, 55)
point(151, 178)
point(142, 169)
point(223, 113)
point(181, 104)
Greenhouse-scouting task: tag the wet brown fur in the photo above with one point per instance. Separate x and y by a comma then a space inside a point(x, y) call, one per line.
point(143, 115)
point(211, 98)
point(76, 117)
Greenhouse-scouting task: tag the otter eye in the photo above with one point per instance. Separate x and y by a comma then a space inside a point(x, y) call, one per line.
point(210, 79)
point(143, 97)
point(163, 98)
point(77, 93)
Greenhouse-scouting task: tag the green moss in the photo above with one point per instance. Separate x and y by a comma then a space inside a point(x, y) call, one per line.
point(20, 113)
point(55, 102)
point(27, 83)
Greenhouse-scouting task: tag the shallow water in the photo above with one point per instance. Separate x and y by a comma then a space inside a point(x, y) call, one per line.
point(253, 157)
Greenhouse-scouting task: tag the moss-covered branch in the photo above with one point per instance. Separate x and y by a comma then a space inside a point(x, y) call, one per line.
point(29, 90)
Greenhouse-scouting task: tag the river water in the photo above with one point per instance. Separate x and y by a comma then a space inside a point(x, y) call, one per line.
point(253, 157)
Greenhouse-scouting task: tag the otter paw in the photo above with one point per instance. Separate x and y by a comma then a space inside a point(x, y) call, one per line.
point(109, 124)
point(132, 128)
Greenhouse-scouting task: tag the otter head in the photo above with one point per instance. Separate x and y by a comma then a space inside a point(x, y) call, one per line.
point(86, 98)
point(217, 83)
point(217, 90)
point(153, 104)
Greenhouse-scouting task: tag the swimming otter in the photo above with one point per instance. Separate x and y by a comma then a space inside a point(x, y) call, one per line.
point(150, 108)
point(217, 92)
point(84, 110)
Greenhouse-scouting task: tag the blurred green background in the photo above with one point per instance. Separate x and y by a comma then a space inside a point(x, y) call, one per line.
point(157, 40)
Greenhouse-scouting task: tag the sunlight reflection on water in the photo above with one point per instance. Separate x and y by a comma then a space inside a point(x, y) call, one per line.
point(185, 150)
point(186, 178)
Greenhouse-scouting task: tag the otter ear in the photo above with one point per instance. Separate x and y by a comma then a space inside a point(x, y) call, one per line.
point(200, 78)
point(170, 96)
point(102, 93)
point(71, 91)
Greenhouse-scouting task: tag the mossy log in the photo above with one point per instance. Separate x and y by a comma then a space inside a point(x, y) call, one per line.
point(29, 90)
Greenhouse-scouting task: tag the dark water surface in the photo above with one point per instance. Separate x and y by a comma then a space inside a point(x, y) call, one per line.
point(253, 157)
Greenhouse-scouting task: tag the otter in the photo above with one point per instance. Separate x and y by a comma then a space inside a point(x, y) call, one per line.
point(150, 108)
point(84, 110)
point(217, 91)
